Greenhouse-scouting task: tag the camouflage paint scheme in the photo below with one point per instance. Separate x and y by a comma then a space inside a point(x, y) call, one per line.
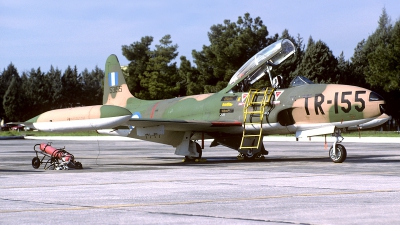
point(306, 108)
point(220, 115)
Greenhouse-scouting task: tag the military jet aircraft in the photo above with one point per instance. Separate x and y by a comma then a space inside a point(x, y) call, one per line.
point(237, 117)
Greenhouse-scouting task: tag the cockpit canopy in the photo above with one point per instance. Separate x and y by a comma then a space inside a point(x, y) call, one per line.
point(256, 66)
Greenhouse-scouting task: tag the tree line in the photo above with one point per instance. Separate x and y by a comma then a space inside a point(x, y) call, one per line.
point(155, 74)
point(35, 92)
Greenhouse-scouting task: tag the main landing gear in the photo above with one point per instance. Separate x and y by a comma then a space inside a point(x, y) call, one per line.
point(195, 159)
point(250, 156)
point(337, 152)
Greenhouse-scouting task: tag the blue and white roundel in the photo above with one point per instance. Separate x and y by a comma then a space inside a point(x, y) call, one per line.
point(136, 115)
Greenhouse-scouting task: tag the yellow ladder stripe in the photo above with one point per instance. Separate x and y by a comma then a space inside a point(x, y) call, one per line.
point(251, 100)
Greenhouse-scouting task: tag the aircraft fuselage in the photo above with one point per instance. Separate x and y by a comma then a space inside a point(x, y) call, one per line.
point(301, 107)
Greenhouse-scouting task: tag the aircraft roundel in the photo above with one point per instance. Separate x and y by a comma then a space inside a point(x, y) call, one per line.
point(136, 115)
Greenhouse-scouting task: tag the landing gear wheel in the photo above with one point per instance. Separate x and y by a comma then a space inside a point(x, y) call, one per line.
point(257, 156)
point(339, 155)
point(242, 156)
point(188, 159)
point(199, 150)
point(36, 162)
point(194, 159)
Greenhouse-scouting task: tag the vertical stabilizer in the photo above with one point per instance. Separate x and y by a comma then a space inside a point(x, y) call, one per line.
point(116, 90)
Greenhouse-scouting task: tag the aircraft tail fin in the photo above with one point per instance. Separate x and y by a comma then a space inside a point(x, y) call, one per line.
point(116, 91)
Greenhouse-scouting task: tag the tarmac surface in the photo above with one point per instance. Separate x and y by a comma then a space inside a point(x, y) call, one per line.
point(136, 182)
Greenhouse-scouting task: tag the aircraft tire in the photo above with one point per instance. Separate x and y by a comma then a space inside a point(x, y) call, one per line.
point(341, 154)
point(36, 162)
point(194, 159)
point(199, 150)
point(258, 156)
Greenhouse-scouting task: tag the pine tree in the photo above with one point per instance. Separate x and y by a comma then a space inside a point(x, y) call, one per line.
point(54, 78)
point(287, 69)
point(359, 61)
point(190, 78)
point(138, 53)
point(13, 101)
point(5, 79)
point(161, 79)
point(318, 63)
point(71, 88)
point(152, 74)
point(345, 72)
point(38, 92)
point(92, 93)
point(231, 45)
point(384, 66)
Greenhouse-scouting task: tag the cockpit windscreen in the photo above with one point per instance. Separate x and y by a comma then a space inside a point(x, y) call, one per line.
point(300, 80)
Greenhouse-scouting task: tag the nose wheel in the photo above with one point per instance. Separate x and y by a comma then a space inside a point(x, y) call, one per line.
point(339, 154)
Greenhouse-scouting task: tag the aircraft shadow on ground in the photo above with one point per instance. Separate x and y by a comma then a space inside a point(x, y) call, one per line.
point(373, 159)
point(150, 162)
point(20, 171)
point(221, 160)
point(232, 160)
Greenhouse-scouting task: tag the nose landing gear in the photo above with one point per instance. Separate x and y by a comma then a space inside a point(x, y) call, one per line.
point(337, 152)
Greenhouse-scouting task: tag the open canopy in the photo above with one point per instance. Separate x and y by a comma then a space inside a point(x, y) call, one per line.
point(254, 68)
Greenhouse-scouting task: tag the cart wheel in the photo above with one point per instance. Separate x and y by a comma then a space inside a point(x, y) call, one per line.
point(78, 165)
point(36, 162)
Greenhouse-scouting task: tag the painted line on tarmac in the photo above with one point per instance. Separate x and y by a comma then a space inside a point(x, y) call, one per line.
point(160, 181)
point(135, 205)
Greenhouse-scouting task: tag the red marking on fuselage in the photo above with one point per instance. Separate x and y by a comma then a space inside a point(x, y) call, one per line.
point(278, 93)
point(226, 124)
point(153, 109)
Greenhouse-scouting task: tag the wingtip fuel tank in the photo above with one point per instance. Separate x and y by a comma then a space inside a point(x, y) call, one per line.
point(80, 118)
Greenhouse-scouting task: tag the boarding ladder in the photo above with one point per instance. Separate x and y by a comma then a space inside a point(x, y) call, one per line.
point(254, 107)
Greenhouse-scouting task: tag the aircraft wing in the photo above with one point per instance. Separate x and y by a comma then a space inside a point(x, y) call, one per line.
point(185, 125)
point(328, 129)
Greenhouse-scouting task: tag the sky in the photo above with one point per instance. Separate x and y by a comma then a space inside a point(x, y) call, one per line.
point(84, 33)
